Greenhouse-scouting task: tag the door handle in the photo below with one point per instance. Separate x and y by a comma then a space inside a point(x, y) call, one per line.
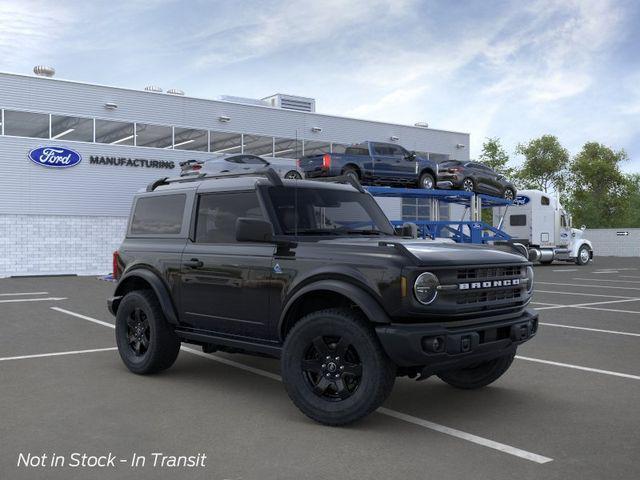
point(193, 263)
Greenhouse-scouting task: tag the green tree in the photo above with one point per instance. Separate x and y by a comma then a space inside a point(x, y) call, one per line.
point(600, 192)
point(632, 218)
point(545, 164)
point(495, 157)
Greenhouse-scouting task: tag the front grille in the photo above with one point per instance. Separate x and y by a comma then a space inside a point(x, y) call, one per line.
point(489, 296)
point(492, 272)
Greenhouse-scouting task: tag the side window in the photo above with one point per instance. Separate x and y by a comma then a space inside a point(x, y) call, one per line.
point(397, 151)
point(380, 149)
point(158, 215)
point(218, 212)
point(518, 220)
point(544, 200)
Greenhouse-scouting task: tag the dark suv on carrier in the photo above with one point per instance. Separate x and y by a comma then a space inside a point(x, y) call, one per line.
point(312, 273)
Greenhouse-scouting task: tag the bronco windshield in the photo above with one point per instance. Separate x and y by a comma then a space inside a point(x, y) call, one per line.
point(327, 211)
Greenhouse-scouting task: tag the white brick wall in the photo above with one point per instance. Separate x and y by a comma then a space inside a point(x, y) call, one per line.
point(48, 244)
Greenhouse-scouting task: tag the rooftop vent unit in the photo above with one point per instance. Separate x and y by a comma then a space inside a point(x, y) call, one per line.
point(153, 88)
point(44, 71)
point(422, 124)
point(291, 102)
point(175, 91)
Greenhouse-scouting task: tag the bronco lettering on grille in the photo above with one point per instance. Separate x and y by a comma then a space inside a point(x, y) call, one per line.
point(489, 284)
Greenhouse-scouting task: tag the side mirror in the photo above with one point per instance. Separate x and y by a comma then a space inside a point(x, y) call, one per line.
point(253, 230)
point(411, 156)
point(408, 229)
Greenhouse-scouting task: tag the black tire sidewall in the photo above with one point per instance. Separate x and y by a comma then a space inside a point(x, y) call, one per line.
point(162, 342)
point(376, 369)
point(578, 258)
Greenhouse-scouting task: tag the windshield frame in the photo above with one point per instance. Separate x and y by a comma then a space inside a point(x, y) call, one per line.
point(377, 216)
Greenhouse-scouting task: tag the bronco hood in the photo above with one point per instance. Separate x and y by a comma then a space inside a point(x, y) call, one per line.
point(436, 253)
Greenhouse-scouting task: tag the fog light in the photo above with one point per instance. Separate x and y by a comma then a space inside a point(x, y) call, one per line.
point(433, 344)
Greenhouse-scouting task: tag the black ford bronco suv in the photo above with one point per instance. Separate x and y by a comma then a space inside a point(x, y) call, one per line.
point(312, 273)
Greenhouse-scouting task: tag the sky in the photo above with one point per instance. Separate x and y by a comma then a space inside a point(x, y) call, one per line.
point(514, 70)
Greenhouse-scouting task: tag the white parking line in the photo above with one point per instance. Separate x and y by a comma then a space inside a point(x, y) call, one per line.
point(549, 304)
point(566, 270)
point(579, 367)
point(18, 300)
point(84, 317)
point(584, 285)
point(22, 293)
point(587, 305)
point(603, 280)
point(615, 332)
point(581, 294)
point(57, 354)
point(384, 411)
point(629, 276)
point(610, 310)
point(466, 436)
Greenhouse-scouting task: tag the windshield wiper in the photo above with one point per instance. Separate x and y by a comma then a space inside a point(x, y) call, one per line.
point(316, 231)
point(370, 231)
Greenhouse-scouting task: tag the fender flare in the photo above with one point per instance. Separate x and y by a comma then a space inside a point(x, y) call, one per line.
point(157, 285)
point(576, 247)
point(369, 306)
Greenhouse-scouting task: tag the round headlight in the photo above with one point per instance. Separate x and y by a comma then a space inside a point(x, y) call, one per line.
point(529, 279)
point(426, 288)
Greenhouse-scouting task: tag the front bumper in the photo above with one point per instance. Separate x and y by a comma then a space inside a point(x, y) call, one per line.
point(113, 303)
point(438, 347)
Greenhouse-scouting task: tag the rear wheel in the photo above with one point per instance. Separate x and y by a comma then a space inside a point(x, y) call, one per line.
point(427, 181)
point(146, 342)
point(468, 185)
point(334, 368)
point(479, 375)
point(351, 172)
point(293, 175)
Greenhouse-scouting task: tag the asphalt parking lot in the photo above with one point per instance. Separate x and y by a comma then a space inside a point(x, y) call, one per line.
point(568, 408)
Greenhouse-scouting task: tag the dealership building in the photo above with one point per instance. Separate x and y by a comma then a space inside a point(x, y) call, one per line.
point(114, 141)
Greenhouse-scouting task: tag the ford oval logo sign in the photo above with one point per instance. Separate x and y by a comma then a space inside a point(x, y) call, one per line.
point(521, 200)
point(55, 157)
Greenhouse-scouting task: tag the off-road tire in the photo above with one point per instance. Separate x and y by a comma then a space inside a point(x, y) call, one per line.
point(163, 344)
point(478, 376)
point(377, 371)
point(425, 178)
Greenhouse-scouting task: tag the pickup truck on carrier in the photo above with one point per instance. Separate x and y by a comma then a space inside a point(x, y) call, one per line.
point(374, 163)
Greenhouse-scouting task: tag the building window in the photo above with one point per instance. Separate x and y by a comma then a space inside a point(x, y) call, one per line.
point(190, 139)
point(438, 157)
point(156, 136)
point(71, 128)
point(114, 133)
point(316, 148)
point(258, 145)
point(287, 147)
point(26, 124)
point(226, 143)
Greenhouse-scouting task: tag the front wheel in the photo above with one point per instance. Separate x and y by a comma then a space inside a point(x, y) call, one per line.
point(509, 194)
point(427, 181)
point(479, 375)
point(468, 185)
point(334, 368)
point(146, 342)
point(583, 255)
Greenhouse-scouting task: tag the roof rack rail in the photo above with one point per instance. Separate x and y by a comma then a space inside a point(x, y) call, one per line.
point(268, 172)
point(343, 179)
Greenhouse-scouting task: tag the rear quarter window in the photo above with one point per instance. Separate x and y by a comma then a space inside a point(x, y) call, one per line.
point(158, 215)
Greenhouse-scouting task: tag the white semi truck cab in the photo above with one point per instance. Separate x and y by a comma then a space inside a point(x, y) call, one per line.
point(537, 220)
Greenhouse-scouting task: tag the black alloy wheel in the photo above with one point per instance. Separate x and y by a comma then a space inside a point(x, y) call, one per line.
point(138, 332)
point(147, 343)
point(332, 367)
